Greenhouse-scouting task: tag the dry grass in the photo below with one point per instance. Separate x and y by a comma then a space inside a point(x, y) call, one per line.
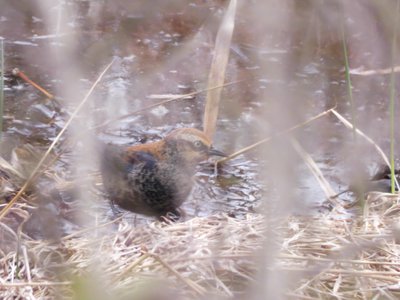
point(326, 256)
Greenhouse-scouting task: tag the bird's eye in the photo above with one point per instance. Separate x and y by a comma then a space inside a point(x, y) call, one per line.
point(198, 144)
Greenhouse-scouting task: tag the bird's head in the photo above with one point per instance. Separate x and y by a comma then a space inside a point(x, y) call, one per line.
point(192, 145)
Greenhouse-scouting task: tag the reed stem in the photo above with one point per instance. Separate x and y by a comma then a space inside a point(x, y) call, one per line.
point(392, 98)
point(1, 84)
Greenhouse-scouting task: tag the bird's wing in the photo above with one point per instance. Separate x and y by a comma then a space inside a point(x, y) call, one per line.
point(140, 160)
point(121, 170)
point(117, 160)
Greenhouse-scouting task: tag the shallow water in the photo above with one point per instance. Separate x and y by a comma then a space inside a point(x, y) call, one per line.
point(168, 51)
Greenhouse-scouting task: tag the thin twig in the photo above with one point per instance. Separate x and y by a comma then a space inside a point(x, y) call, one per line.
point(197, 288)
point(385, 71)
point(251, 147)
point(42, 283)
point(380, 274)
point(182, 97)
point(67, 237)
point(26, 261)
point(338, 260)
point(22, 75)
point(313, 167)
point(133, 265)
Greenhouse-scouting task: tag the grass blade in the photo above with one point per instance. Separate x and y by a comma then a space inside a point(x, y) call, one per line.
point(313, 167)
point(386, 71)
point(348, 82)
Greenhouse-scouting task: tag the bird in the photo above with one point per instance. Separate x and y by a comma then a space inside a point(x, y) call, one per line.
point(154, 179)
point(380, 181)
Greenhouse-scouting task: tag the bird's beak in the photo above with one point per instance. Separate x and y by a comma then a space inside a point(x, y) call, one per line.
point(216, 152)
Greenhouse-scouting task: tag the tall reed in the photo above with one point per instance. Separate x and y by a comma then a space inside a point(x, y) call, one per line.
point(392, 88)
point(348, 81)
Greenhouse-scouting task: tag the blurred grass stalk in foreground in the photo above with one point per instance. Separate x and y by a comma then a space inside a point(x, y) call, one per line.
point(392, 93)
point(1, 83)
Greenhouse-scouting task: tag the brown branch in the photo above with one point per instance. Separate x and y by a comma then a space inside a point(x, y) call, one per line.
point(20, 74)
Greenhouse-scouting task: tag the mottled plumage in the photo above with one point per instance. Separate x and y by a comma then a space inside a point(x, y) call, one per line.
point(155, 178)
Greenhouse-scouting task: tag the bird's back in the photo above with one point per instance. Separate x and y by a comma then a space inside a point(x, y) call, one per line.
point(141, 181)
